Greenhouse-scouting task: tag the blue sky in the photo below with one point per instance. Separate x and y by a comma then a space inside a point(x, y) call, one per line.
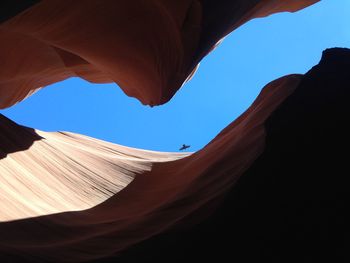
point(227, 82)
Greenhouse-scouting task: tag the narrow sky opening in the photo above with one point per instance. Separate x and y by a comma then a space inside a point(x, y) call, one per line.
point(227, 82)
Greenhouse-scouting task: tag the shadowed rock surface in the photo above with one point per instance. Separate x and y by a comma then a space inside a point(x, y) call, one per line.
point(291, 204)
point(70, 198)
point(148, 47)
point(63, 172)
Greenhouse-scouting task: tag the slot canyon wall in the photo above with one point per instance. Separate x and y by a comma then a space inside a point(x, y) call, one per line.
point(272, 186)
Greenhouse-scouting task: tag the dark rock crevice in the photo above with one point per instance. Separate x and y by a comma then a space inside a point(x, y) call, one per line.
point(290, 205)
point(11, 8)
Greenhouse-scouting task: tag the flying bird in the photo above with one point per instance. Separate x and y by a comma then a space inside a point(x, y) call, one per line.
point(184, 147)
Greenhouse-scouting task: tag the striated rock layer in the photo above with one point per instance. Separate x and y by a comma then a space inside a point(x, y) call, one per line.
point(291, 204)
point(44, 173)
point(62, 172)
point(70, 198)
point(148, 47)
point(284, 154)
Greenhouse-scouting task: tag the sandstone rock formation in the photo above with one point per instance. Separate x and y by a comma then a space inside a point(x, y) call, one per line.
point(291, 204)
point(68, 172)
point(148, 48)
point(70, 198)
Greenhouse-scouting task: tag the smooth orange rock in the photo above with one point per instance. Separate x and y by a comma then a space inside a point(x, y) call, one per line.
point(148, 47)
point(64, 196)
point(65, 172)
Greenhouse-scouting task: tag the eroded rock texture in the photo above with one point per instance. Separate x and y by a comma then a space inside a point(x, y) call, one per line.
point(67, 172)
point(70, 198)
point(148, 47)
point(291, 204)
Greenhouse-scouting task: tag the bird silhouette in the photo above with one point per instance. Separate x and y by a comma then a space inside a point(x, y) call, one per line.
point(184, 147)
